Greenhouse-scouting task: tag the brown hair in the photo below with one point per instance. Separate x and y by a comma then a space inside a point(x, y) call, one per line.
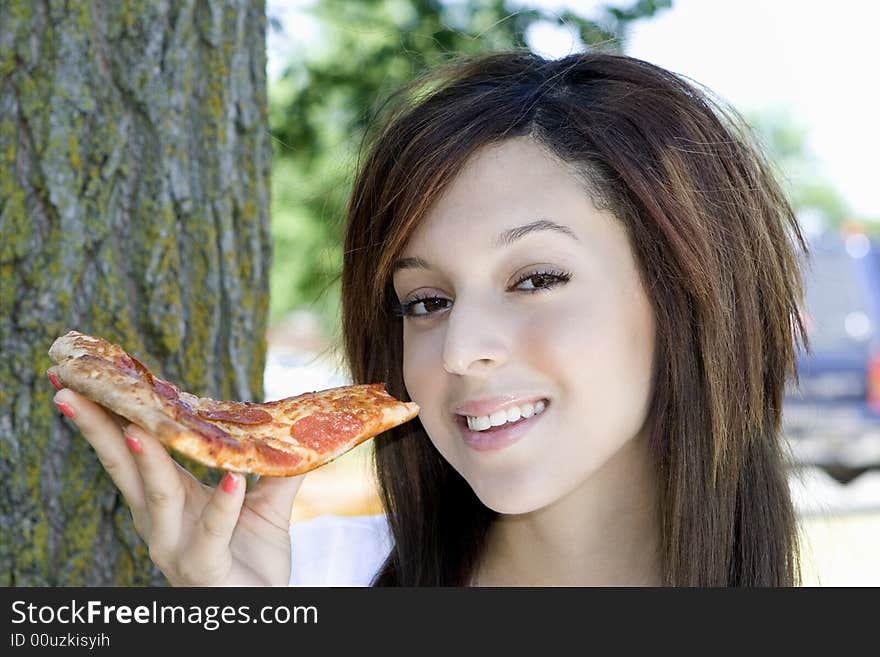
point(716, 242)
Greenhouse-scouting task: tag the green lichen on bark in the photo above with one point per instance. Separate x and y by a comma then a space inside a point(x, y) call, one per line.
point(134, 170)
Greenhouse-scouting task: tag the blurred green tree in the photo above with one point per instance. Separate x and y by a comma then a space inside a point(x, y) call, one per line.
point(787, 144)
point(319, 109)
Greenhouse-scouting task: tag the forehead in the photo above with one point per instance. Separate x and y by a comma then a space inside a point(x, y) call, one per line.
point(502, 186)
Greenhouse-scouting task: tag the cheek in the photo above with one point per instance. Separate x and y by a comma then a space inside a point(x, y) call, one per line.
point(424, 377)
point(422, 362)
point(600, 353)
point(561, 341)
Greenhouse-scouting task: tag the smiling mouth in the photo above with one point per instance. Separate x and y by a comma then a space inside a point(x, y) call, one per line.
point(462, 421)
point(497, 438)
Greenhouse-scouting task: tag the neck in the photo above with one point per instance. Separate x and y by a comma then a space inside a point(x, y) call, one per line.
point(604, 533)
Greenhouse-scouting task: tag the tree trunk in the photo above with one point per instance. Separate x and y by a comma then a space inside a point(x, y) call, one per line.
point(134, 184)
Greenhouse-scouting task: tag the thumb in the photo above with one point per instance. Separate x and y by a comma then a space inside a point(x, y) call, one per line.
point(273, 497)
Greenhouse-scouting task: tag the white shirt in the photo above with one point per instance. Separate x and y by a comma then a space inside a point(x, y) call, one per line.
point(332, 550)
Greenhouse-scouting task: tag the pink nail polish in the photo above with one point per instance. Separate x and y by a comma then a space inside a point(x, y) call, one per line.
point(65, 408)
point(54, 380)
point(134, 444)
point(228, 484)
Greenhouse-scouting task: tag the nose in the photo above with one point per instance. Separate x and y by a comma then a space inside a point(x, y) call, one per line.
point(475, 341)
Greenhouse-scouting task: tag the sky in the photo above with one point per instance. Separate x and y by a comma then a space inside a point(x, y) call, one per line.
point(816, 58)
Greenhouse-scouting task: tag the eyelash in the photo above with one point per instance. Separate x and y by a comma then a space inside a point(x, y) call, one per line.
point(403, 309)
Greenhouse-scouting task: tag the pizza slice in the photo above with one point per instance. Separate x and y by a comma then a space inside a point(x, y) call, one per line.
point(278, 438)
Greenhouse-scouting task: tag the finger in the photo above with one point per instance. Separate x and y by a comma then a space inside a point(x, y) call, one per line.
point(272, 498)
point(105, 436)
point(213, 531)
point(164, 492)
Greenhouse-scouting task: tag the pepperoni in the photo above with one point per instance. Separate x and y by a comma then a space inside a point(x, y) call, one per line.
point(237, 415)
point(133, 366)
point(324, 432)
point(186, 417)
point(269, 456)
point(167, 390)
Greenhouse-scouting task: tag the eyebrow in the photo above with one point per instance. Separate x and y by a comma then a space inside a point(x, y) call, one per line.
point(506, 238)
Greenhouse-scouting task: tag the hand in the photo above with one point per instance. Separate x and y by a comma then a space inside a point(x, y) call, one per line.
point(197, 536)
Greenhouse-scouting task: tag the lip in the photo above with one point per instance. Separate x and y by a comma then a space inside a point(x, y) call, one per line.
point(489, 405)
point(487, 441)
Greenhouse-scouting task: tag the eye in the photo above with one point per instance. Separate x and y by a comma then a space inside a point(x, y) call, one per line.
point(430, 304)
point(425, 306)
point(543, 280)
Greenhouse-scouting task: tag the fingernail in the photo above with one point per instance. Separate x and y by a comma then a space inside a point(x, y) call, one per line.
point(54, 380)
point(229, 482)
point(65, 408)
point(134, 444)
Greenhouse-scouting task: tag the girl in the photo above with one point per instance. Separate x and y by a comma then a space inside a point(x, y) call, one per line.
point(587, 277)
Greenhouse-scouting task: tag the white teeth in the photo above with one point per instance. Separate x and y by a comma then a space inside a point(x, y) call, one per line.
point(479, 423)
point(498, 418)
point(511, 414)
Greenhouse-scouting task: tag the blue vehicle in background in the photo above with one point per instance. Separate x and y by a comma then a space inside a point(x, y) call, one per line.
point(832, 419)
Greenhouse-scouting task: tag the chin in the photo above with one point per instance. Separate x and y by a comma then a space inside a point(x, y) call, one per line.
point(511, 504)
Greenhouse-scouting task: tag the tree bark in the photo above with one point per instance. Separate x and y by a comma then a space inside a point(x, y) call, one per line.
point(134, 185)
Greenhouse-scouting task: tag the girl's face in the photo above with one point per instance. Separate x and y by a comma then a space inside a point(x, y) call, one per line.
point(516, 289)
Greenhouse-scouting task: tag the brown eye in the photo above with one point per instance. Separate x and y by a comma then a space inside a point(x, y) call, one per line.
point(543, 280)
point(430, 304)
point(540, 280)
point(434, 303)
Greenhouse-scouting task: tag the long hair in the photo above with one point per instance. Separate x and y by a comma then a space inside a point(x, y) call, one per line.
point(716, 243)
